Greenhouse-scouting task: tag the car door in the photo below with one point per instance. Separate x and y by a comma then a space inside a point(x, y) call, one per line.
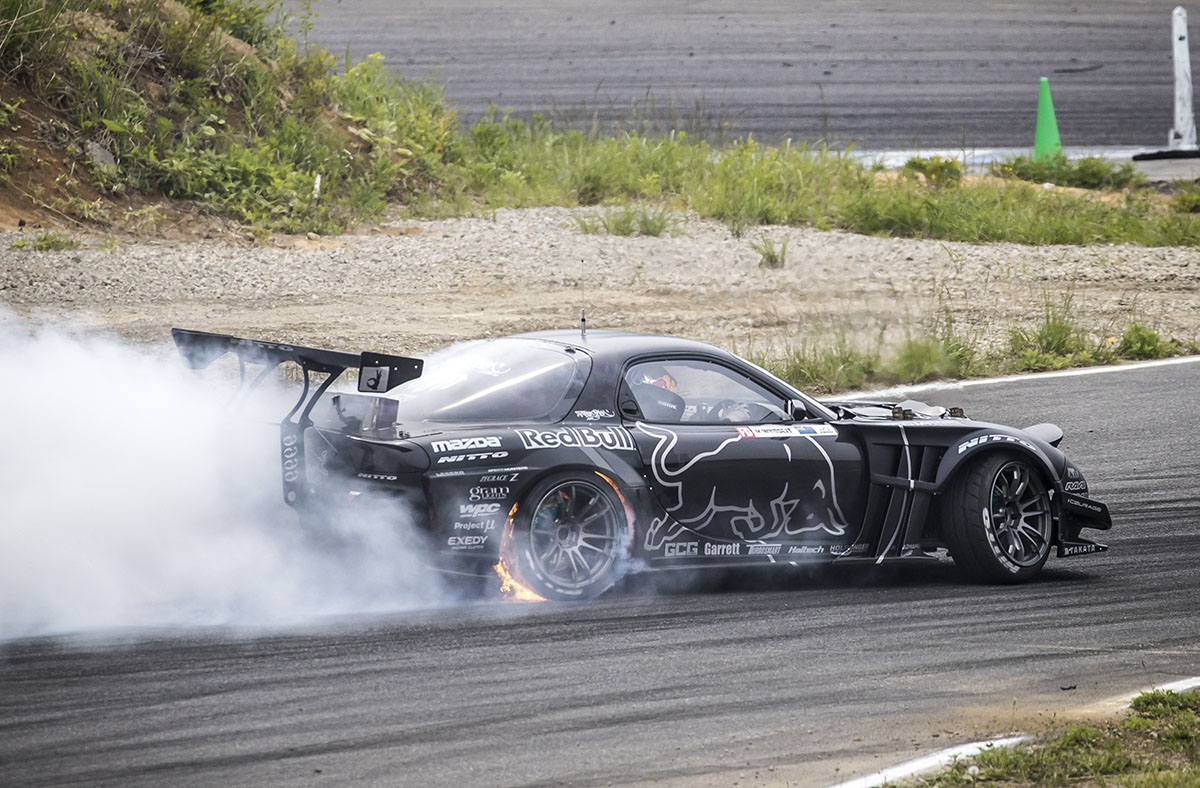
point(733, 473)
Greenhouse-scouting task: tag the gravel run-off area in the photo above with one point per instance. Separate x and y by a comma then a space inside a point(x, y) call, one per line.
point(408, 286)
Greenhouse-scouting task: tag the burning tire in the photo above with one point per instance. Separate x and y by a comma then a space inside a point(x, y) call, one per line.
point(570, 537)
point(1002, 523)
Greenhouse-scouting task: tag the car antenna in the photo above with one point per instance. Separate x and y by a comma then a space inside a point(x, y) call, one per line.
point(583, 298)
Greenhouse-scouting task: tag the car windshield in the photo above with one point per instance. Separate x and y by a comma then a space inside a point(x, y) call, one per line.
point(493, 380)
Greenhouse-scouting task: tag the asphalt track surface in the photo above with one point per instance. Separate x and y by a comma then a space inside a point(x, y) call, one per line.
point(765, 679)
point(919, 73)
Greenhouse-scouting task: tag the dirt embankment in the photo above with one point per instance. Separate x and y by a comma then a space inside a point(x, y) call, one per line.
point(413, 286)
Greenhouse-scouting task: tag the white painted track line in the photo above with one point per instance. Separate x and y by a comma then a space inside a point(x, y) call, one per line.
point(1183, 685)
point(946, 385)
point(927, 763)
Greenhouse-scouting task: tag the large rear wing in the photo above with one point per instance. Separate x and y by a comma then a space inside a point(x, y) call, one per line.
point(377, 373)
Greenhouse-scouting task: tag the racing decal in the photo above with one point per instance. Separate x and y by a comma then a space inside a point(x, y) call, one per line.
point(378, 477)
point(1088, 505)
point(499, 477)
point(993, 438)
point(486, 455)
point(470, 525)
point(849, 549)
point(583, 437)
point(785, 430)
point(1081, 548)
point(806, 549)
point(694, 549)
point(462, 444)
point(290, 453)
point(470, 542)
point(373, 378)
point(466, 510)
point(1078, 486)
point(487, 493)
point(746, 518)
point(595, 414)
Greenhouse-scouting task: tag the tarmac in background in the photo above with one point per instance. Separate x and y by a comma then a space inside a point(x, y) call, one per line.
point(883, 76)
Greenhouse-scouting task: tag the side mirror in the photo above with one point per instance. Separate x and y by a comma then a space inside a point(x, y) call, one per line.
point(797, 410)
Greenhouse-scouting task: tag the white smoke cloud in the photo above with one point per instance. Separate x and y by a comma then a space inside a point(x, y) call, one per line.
point(130, 496)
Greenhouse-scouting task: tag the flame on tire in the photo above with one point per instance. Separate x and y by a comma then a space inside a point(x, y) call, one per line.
point(510, 587)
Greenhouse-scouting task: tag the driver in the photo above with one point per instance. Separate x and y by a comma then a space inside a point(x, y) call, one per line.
point(658, 376)
point(654, 390)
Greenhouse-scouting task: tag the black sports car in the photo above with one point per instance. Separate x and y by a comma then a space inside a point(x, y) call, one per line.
point(570, 458)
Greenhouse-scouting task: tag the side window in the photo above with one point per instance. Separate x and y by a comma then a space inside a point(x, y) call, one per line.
point(702, 392)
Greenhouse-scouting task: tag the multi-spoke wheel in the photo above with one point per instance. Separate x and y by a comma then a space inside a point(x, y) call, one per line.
point(570, 537)
point(1002, 524)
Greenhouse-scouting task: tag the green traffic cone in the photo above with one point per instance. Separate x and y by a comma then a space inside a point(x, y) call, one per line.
point(1045, 139)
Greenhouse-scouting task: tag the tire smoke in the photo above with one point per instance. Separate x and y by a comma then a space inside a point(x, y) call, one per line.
point(130, 496)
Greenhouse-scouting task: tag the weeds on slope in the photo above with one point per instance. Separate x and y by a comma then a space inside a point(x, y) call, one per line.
point(210, 100)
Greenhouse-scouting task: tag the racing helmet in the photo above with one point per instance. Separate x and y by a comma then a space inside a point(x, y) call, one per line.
point(657, 375)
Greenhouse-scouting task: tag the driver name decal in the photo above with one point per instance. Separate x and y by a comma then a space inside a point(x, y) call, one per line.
point(785, 430)
point(583, 437)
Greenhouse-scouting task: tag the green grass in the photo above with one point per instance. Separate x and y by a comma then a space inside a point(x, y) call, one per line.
point(1154, 746)
point(936, 171)
point(630, 220)
point(770, 256)
point(1142, 342)
point(1056, 342)
point(46, 241)
point(1163, 704)
point(1089, 172)
point(823, 368)
point(512, 163)
point(940, 351)
point(10, 151)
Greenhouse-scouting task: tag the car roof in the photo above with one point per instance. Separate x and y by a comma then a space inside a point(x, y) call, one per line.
point(623, 344)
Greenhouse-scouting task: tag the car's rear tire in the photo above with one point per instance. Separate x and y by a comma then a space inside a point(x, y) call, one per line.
point(1000, 520)
point(570, 537)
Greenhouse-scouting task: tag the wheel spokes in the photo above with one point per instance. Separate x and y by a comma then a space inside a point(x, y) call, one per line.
point(1020, 519)
point(571, 519)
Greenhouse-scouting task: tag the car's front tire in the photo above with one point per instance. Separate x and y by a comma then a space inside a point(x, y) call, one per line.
point(570, 537)
point(1000, 520)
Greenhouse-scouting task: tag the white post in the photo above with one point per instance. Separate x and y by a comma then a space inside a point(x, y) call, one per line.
point(1183, 135)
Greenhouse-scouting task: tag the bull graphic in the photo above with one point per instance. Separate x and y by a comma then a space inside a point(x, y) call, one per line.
point(747, 520)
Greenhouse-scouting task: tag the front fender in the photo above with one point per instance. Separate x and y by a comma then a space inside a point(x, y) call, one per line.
point(996, 438)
